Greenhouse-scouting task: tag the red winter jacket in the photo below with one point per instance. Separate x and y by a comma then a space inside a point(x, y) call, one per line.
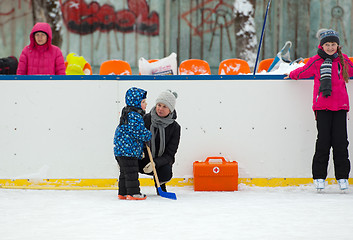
point(44, 59)
point(339, 97)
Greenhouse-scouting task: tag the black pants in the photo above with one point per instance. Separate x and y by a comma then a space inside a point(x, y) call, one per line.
point(128, 179)
point(332, 132)
point(164, 172)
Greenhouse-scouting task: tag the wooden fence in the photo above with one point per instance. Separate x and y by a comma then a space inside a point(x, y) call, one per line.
point(205, 29)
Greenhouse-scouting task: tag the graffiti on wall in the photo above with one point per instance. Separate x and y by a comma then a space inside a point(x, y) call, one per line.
point(85, 18)
point(11, 10)
point(8, 7)
point(212, 17)
point(337, 14)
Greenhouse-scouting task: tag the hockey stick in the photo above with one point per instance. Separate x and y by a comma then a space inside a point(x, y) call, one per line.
point(160, 191)
point(262, 35)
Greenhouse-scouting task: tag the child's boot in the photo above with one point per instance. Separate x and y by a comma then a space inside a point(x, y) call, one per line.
point(138, 196)
point(122, 197)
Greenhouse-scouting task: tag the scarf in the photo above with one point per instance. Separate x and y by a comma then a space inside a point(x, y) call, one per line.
point(326, 73)
point(126, 110)
point(158, 123)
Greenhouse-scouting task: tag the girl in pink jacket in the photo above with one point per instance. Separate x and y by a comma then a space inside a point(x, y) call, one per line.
point(40, 57)
point(331, 71)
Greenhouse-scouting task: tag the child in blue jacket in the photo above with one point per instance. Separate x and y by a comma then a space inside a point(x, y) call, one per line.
point(130, 137)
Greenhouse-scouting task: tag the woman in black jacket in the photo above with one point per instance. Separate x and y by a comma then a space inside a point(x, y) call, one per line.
point(161, 121)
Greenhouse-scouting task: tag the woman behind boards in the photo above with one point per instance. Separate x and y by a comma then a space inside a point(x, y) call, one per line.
point(161, 121)
point(40, 57)
point(331, 70)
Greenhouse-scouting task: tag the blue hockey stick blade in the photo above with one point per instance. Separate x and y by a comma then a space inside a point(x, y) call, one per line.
point(166, 194)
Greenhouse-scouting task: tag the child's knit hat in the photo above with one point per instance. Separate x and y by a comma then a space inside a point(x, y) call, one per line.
point(168, 98)
point(329, 36)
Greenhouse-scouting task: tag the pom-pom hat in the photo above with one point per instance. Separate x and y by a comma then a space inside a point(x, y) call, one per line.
point(329, 36)
point(168, 98)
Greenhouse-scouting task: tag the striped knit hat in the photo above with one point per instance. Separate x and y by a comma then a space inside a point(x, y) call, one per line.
point(329, 36)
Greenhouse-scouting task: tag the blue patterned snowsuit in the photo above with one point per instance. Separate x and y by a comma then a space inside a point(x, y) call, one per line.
point(130, 138)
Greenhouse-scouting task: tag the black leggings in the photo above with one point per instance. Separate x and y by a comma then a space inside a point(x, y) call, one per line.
point(332, 132)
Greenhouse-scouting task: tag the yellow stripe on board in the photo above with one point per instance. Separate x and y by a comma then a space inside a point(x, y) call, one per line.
point(111, 183)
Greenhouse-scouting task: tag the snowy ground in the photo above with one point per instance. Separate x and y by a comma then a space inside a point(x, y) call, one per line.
point(251, 213)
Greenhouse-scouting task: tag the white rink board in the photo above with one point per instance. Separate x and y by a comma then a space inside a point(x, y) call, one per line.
point(60, 129)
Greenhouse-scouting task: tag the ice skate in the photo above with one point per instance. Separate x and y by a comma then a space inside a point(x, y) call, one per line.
point(319, 184)
point(343, 184)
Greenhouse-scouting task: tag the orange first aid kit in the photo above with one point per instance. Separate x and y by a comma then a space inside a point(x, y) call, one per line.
point(215, 175)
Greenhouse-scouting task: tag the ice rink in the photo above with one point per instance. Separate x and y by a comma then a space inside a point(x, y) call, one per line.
point(250, 213)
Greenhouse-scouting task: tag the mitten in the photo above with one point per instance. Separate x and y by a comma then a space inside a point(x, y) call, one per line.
point(149, 167)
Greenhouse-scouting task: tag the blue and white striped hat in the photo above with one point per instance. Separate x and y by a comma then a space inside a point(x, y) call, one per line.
point(329, 36)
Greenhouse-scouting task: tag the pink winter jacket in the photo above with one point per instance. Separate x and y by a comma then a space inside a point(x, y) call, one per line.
point(46, 59)
point(339, 97)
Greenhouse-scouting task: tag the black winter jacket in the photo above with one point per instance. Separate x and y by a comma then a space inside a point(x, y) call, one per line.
point(172, 138)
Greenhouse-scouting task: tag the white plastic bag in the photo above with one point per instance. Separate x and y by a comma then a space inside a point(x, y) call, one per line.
point(164, 66)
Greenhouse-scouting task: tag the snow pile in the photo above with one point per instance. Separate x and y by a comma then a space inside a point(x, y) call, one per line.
point(284, 68)
point(195, 70)
point(229, 68)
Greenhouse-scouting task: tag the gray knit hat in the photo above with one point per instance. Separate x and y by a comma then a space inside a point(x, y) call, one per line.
point(168, 98)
